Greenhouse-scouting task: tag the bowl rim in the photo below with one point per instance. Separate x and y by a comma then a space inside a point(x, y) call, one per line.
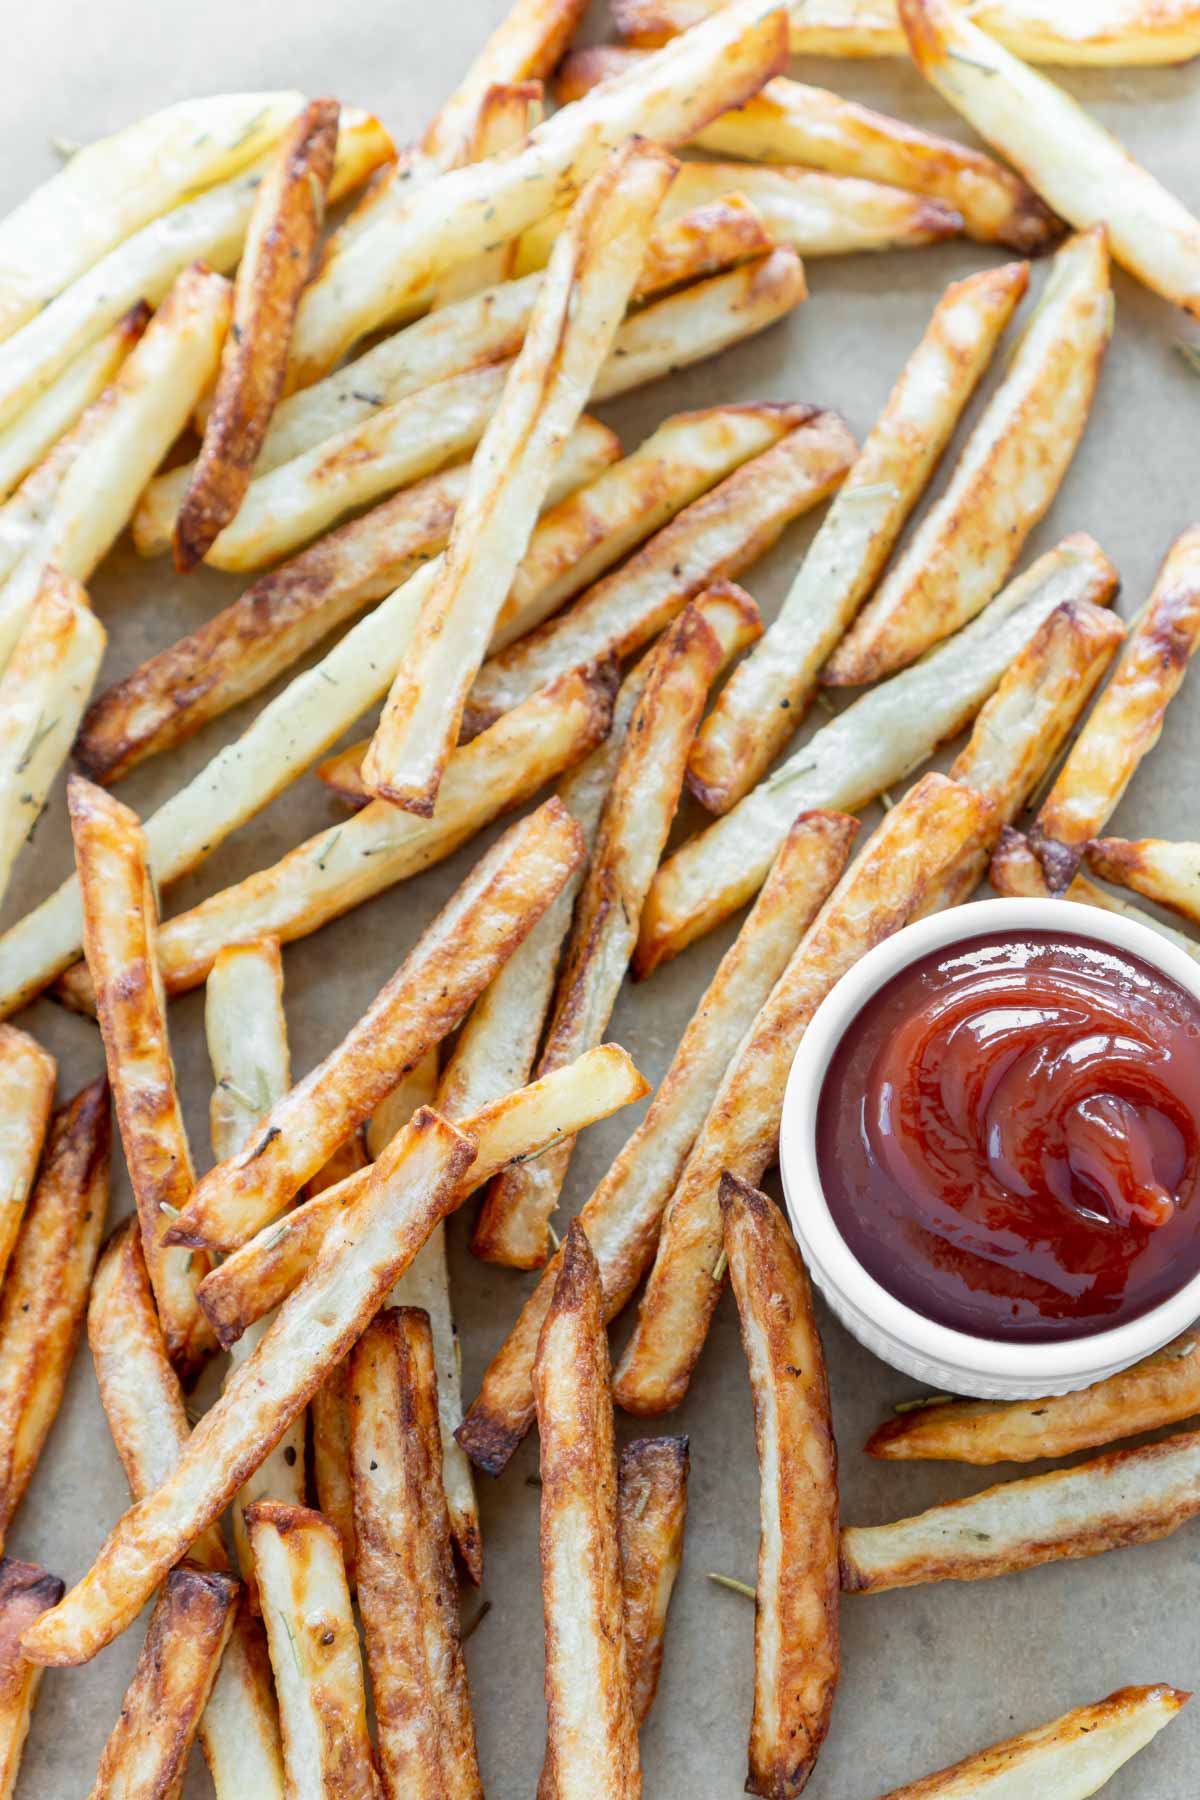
point(835, 1266)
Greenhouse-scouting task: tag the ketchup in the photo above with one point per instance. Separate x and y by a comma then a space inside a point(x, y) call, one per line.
point(1008, 1136)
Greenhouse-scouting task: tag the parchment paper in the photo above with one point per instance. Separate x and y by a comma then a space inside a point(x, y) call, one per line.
point(930, 1674)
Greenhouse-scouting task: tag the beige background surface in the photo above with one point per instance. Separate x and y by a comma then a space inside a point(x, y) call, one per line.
point(930, 1674)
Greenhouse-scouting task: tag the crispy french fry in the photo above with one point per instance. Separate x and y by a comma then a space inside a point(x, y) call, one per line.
point(1166, 873)
point(1014, 869)
point(329, 1414)
point(621, 1217)
point(417, 1087)
point(1070, 1758)
point(717, 234)
point(407, 1591)
point(766, 698)
point(25, 1593)
point(45, 1288)
point(1078, 167)
point(34, 432)
point(718, 535)
point(409, 239)
point(525, 45)
point(905, 857)
point(503, 897)
point(148, 1748)
point(27, 1076)
point(281, 240)
point(506, 115)
point(591, 1748)
point(817, 214)
point(1007, 476)
point(1128, 718)
point(875, 742)
point(514, 1224)
point(580, 305)
point(314, 1653)
point(652, 1483)
point(796, 1655)
point(351, 1156)
point(120, 924)
point(1126, 1497)
point(210, 229)
point(43, 691)
point(790, 123)
point(1113, 32)
point(144, 1405)
point(516, 1125)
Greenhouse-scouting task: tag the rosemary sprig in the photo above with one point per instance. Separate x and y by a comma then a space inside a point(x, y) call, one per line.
point(736, 1587)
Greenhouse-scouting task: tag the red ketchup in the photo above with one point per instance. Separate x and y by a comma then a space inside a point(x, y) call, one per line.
point(1008, 1136)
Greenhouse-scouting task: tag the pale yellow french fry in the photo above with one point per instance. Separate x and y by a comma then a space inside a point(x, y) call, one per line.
point(1164, 872)
point(506, 114)
point(34, 432)
point(25, 1592)
point(27, 1077)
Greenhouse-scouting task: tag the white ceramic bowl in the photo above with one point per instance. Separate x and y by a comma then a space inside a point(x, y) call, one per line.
point(933, 1353)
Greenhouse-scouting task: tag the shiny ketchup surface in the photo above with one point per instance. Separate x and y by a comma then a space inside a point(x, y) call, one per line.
point(1008, 1136)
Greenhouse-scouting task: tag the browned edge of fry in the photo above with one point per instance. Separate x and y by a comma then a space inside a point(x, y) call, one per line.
point(652, 1493)
point(26, 1592)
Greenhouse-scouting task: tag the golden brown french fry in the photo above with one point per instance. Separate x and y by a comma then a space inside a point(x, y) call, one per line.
point(1078, 167)
point(788, 122)
point(281, 239)
point(45, 1289)
point(1128, 719)
point(591, 1748)
point(514, 1224)
point(314, 1653)
point(407, 1591)
point(766, 698)
point(579, 307)
point(34, 432)
point(27, 1076)
point(652, 1483)
point(817, 214)
point(1159, 1390)
point(1070, 1758)
point(796, 1654)
point(1164, 872)
point(904, 858)
point(621, 1218)
point(717, 536)
point(506, 115)
point(521, 1124)
point(43, 690)
point(25, 1593)
point(503, 897)
point(1015, 870)
point(119, 926)
point(329, 1414)
point(148, 1748)
point(1007, 476)
point(716, 234)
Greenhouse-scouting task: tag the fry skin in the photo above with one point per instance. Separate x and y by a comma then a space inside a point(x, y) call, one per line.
point(652, 1484)
point(796, 1655)
point(1166, 873)
point(25, 1593)
point(27, 1076)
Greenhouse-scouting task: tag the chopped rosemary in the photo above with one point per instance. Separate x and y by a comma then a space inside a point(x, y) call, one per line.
point(737, 1587)
point(469, 1630)
point(908, 1406)
point(330, 845)
point(39, 735)
point(1190, 354)
point(720, 1266)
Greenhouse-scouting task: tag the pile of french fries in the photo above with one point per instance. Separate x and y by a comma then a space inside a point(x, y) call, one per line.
point(388, 432)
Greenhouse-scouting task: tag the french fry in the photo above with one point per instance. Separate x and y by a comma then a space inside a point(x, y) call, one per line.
point(1070, 1758)
point(717, 536)
point(34, 432)
point(148, 1748)
point(1161, 1389)
point(796, 1654)
point(514, 1223)
point(138, 418)
point(288, 734)
point(652, 1482)
point(790, 123)
point(516, 1125)
point(25, 1593)
point(144, 1405)
point(119, 927)
point(525, 45)
point(1113, 32)
point(621, 1217)
point(591, 1748)
point(873, 743)
point(904, 858)
point(1128, 719)
point(45, 1288)
point(43, 690)
point(503, 897)
point(817, 214)
point(1125, 1497)
point(580, 305)
point(27, 1076)
point(281, 239)
point(506, 115)
point(408, 1595)
point(416, 1088)
point(1015, 870)
point(351, 1156)
point(1005, 480)
point(410, 238)
point(1078, 167)
point(1166, 873)
point(314, 1653)
point(767, 696)
point(329, 1416)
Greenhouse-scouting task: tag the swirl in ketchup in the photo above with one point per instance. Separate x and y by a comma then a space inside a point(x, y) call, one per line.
point(1008, 1136)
